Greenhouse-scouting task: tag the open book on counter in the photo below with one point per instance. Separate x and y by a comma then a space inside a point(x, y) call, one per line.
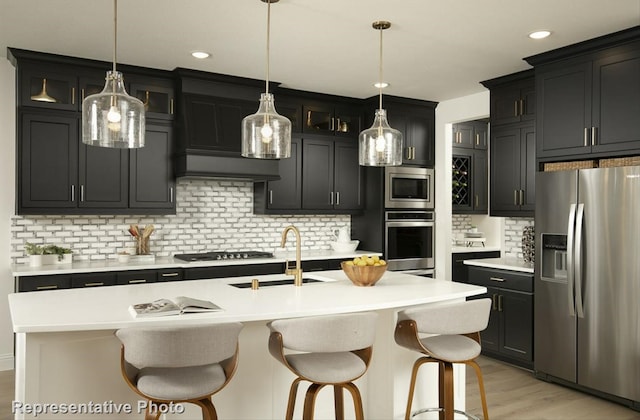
point(177, 306)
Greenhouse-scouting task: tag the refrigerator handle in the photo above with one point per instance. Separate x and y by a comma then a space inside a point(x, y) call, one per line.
point(570, 276)
point(578, 261)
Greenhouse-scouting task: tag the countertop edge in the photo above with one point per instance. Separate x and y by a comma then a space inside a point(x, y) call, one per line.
point(512, 264)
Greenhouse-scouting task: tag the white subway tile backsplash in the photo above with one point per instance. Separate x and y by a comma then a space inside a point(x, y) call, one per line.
point(210, 215)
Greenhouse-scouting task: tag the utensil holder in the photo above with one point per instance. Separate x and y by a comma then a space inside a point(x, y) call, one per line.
point(142, 245)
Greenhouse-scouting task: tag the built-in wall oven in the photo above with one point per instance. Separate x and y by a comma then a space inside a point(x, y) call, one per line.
point(409, 240)
point(409, 188)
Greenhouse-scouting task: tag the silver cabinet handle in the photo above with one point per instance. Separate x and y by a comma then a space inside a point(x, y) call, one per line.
point(51, 287)
point(171, 106)
point(494, 301)
point(594, 135)
point(586, 137)
point(477, 199)
point(137, 281)
point(515, 197)
point(515, 108)
point(73, 193)
point(94, 284)
point(496, 278)
point(333, 124)
point(73, 96)
point(331, 198)
point(171, 194)
point(521, 107)
point(82, 192)
point(337, 198)
point(270, 196)
point(169, 274)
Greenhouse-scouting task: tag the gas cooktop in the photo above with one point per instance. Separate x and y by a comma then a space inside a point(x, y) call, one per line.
point(223, 255)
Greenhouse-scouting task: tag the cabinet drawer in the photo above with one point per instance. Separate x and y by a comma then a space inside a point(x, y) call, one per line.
point(93, 279)
point(39, 283)
point(501, 278)
point(211, 272)
point(136, 277)
point(261, 269)
point(170, 274)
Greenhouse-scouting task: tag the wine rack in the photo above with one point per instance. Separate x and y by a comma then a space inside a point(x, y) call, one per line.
point(460, 188)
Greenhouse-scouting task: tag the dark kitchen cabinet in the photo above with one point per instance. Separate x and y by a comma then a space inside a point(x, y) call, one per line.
point(331, 175)
point(460, 271)
point(415, 119)
point(469, 181)
point(43, 283)
point(471, 134)
point(509, 335)
point(151, 177)
point(589, 105)
point(513, 169)
point(93, 279)
point(136, 277)
point(335, 119)
point(57, 173)
point(285, 193)
point(514, 101)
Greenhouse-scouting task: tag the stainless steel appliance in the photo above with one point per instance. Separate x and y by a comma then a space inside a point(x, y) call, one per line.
point(409, 240)
point(587, 280)
point(223, 255)
point(409, 187)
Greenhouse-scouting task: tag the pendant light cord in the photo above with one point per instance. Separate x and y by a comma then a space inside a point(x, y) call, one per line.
point(115, 32)
point(268, 35)
point(380, 73)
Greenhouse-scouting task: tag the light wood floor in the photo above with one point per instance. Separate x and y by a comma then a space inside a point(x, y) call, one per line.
point(512, 394)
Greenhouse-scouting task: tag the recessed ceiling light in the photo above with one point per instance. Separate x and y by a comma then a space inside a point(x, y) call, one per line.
point(382, 85)
point(539, 34)
point(200, 54)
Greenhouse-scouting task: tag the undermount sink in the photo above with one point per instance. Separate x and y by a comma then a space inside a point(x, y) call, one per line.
point(279, 282)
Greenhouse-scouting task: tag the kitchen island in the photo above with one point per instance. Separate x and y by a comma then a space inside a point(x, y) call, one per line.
point(66, 351)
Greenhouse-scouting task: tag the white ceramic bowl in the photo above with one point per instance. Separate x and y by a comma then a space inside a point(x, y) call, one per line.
point(345, 246)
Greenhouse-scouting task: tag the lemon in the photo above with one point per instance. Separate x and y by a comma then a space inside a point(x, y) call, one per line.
point(383, 262)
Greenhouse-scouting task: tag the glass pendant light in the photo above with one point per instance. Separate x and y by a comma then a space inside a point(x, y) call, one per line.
point(266, 134)
point(380, 145)
point(112, 118)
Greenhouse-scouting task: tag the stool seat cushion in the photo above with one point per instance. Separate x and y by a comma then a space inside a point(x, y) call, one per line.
point(180, 383)
point(334, 367)
point(452, 348)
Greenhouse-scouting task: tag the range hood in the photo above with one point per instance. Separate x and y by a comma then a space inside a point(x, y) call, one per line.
point(192, 165)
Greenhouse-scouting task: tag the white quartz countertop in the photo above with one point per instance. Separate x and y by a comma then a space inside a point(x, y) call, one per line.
point(103, 308)
point(476, 248)
point(513, 264)
point(19, 270)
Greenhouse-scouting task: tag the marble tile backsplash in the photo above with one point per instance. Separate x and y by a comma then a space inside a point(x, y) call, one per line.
point(210, 215)
point(513, 236)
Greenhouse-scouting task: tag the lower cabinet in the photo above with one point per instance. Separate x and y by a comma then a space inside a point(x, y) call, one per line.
point(460, 271)
point(509, 335)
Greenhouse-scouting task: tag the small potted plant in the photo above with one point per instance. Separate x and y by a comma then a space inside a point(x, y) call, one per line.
point(61, 255)
point(35, 253)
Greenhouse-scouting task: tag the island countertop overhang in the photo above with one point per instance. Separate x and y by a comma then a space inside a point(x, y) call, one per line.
point(87, 309)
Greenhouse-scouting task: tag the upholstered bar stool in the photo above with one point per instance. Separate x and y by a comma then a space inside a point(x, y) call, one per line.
point(179, 364)
point(327, 350)
point(458, 326)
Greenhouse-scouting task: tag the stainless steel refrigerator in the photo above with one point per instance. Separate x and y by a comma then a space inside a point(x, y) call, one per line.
point(587, 280)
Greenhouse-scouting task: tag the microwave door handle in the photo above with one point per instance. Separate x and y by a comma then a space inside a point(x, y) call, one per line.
point(578, 261)
point(570, 259)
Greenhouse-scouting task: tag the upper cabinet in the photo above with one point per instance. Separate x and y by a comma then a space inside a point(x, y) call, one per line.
point(337, 118)
point(471, 134)
point(415, 119)
point(470, 167)
point(57, 173)
point(588, 98)
point(512, 145)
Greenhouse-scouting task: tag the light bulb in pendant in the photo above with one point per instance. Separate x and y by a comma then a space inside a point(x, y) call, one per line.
point(267, 132)
point(380, 143)
point(114, 116)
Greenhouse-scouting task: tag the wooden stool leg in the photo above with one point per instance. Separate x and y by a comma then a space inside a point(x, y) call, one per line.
point(310, 401)
point(447, 384)
point(441, 391)
point(208, 409)
point(483, 398)
point(293, 391)
point(338, 401)
point(151, 415)
point(357, 400)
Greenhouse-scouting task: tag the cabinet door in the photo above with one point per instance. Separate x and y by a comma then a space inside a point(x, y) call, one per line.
point(517, 324)
point(616, 102)
point(103, 177)
point(505, 105)
point(480, 135)
point(420, 136)
point(505, 170)
point(564, 110)
point(158, 100)
point(347, 176)
point(463, 135)
point(151, 180)
point(215, 124)
point(48, 162)
point(490, 336)
point(317, 174)
point(318, 119)
point(51, 87)
point(286, 193)
point(347, 121)
point(528, 170)
point(480, 181)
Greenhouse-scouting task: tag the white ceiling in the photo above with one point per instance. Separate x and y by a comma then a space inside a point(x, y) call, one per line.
point(434, 50)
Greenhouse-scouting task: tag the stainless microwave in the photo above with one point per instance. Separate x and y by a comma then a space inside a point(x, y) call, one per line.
point(409, 188)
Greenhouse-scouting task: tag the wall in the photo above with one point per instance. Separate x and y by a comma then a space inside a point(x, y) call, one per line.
point(467, 108)
point(211, 215)
point(512, 245)
point(7, 193)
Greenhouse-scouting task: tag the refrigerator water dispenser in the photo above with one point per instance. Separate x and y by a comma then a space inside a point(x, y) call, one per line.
point(554, 256)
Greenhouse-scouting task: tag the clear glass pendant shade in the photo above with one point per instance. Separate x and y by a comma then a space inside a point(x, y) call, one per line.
point(380, 145)
point(266, 134)
point(112, 118)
